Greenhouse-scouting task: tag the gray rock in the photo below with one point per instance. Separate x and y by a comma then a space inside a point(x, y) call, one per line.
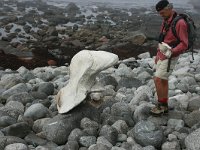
point(87, 123)
point(192, 140)
point(22, 70)
point(102, 140)
point(46, 87)
point(1, 134)
point(138, 98)
point(110, 133)
point(75, 134)
point(58, 128)
point(8, 110)
point(197, 77)
point(149, 148)
point(48, 146)
point(19, 88)
point(188, 80)
point(35, 140)
point(137, 38)
point(122, 110)
point(36, 111)
point(144, 89)
point(117, 148)
point(183, 87)
point(108, 119)
point(28, 76)
point(121, 138)
point(16, 146)
point(172, 93)
point(146, 133)
point(144, 76)
point(83, 148)
point(194, 103)
point(120, 126)
point(127, 146)
point(175, 123)
point(179, 102)
point(108, 80)
point(124, 71)
point(20, 129)
point(6, 140)
point(52, 31)
point(158, 121)
point(2, 143)
point(172, 137)
point(142, 112)
point(23, 97)
point(46, 75)
point(8, 81)
point(175, 114)
point(144, 55)
point(41, 148)
point(18, 106)
point(71, 145)
point(87, 141)
point(129, 83)
point(72, 8)
point(192, 118)
point(90, 131)
point(38, 124)
point(6, 121)
point(174, 145)
point(98, 147)
point(38, 95)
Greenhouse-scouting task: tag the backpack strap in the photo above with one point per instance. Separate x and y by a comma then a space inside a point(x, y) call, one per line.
point(174, 22)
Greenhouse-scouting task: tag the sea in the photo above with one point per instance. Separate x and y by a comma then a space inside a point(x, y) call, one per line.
point(186, 4)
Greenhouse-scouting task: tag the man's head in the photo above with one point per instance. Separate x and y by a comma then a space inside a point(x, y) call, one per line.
point(164, 8)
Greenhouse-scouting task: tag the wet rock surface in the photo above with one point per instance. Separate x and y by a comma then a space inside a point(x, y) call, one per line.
point(37, 33)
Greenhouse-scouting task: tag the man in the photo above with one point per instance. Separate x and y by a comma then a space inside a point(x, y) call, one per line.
point(169, 48)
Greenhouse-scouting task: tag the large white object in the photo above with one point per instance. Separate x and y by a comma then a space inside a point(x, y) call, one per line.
point(84, 68)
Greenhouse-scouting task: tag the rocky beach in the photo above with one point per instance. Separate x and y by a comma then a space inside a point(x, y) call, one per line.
point(37, 43)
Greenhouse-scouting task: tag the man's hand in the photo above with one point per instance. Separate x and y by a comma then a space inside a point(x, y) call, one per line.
point(165, 49)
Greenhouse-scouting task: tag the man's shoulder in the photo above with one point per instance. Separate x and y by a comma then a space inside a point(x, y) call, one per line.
point(180, 21)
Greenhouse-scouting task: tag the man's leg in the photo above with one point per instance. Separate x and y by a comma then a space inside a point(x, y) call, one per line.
point(161, 85)
point(161, 89)
point(162, 93)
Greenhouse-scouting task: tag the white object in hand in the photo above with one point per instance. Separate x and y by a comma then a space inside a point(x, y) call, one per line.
point(165, 49)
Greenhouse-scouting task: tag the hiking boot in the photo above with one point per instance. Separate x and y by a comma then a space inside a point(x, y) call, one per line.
point(159, 109)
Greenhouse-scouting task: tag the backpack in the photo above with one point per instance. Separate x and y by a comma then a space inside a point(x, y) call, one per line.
point(191, 30)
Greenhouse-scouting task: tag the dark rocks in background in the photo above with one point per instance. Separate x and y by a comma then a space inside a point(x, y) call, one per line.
point(79, 40)
point(72, 9)
point(117, 25)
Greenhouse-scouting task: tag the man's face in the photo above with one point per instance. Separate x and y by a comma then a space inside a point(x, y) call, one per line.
point(165, 13)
